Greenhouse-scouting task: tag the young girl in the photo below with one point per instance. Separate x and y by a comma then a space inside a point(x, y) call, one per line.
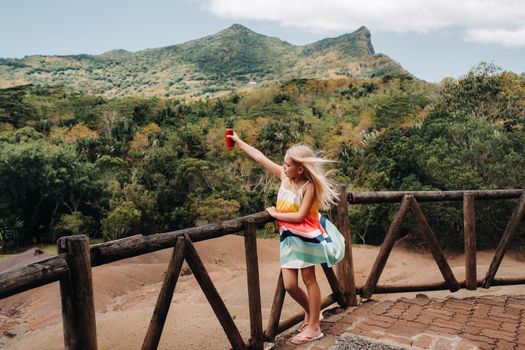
point(304, 241)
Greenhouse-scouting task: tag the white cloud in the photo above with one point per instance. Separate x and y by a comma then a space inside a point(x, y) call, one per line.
point(509, 38)
point(487, 21)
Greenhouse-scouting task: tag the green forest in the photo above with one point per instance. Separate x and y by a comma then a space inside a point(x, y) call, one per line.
point(73, 163)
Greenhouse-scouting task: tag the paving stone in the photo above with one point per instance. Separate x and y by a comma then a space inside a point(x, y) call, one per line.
point(399, 307)
point(472, 330)
point(384, 319)
point(366, 327)
point(424, 319)
point(379, 322)
point(336, 314)
point(394, 312)
point(479, 338)
point(395, 340)
point(497, 310)
point(521, 339)
point(422, 300)
point(413, 312)
point(423, 341)
point(481, 309)
point(444, 314)
point(458, 306)
point(363, 310)
point(504, 345)
point(515, 305)
point(461, 318)
point(508, 336)
point(339, 328)
point(491, 301)
point(504, 316)
point(512, 311)
point(509, 326)
point(465, 345)
point(381, 308)
point(401, 303)
point(456, 311)
point(456, 326)
point(352, 318)
point(443, 344)
point(444, 330)
point(478, 322)
point(406, 328)
point(367, 305)
point(484, 346)
point(366, 333)
point(501, 319)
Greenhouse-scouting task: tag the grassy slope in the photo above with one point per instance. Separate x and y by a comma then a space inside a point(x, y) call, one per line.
point(226, 61)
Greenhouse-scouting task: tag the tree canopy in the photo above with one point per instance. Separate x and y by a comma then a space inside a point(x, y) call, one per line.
point(73, 163)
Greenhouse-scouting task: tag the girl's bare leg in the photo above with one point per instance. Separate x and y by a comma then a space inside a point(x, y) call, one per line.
point(291, 284)
point(314, 301)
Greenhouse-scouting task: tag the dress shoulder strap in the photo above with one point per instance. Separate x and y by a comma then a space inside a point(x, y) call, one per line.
point(303, 186)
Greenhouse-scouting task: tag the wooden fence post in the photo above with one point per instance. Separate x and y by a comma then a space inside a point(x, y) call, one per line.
point(469, 223)
point(254, 291)
point(76, 291)
point(337, 290)
point(345, 269)
point(275, 313)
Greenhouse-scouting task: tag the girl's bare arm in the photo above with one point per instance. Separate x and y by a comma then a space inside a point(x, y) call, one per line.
point(306, 204)
point(258, 156)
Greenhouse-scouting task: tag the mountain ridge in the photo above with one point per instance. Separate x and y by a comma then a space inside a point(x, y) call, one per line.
point(231, 59)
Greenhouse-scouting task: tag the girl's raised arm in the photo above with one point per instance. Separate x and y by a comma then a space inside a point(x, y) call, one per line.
point(258, 156)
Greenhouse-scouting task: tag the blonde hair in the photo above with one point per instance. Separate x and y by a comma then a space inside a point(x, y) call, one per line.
point(313, 165)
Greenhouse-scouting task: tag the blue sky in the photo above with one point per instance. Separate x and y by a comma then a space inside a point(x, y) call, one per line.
point(432, 39)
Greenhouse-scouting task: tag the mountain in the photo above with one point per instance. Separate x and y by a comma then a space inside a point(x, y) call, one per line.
point(232, 59)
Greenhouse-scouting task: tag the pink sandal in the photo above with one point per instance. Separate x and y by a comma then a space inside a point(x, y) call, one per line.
point(305, 324)
point(302, 339)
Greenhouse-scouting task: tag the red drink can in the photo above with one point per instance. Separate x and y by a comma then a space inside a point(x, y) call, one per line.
point(229, 142)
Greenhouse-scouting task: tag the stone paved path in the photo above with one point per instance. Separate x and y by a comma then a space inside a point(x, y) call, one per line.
point(489, 322)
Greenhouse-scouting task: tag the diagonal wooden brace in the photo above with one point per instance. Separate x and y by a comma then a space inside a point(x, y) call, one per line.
point(433, 244)
point(156, 326)
point(213, 296)
point(510, 230)
point(386, 248)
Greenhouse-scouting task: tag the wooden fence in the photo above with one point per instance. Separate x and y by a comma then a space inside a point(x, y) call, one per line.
point(72, 267)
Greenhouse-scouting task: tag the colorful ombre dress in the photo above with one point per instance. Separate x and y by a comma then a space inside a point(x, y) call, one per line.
point(314, 241)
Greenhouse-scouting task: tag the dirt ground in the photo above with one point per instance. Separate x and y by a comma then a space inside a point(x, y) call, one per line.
point(126, 292)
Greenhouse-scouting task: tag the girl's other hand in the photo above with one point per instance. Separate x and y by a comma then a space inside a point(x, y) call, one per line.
point(272, 211)
point(234, 137)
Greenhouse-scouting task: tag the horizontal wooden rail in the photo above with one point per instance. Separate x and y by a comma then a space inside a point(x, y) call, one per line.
point(107, 252)
point(54, 268)
point(33, 275)
point(428, 287)
point(428, 196)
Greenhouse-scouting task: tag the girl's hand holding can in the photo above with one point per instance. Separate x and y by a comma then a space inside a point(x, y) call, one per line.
point(231, 138)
